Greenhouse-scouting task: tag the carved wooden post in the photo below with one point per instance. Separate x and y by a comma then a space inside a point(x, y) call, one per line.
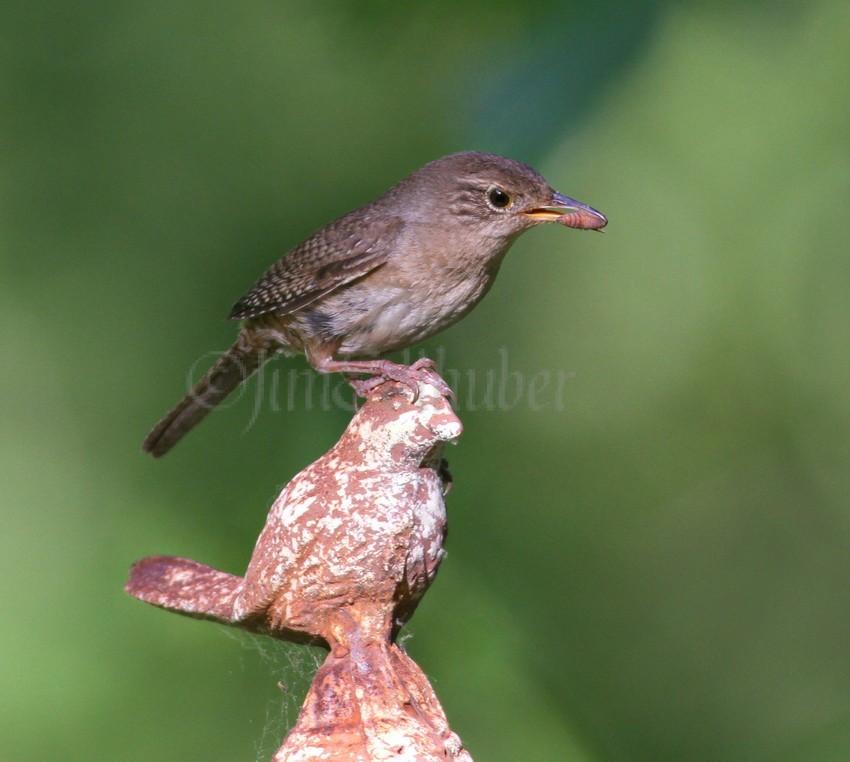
point(348, 550)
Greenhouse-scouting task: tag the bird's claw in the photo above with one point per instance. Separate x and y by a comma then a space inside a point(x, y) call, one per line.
point(422, 371)
point(428, 370)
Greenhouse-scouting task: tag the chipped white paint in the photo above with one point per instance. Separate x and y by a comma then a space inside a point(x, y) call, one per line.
point(348, 550)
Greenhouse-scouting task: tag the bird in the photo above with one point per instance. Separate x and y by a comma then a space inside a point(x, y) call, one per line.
point(384, 277)
point(365, 524)
point(349, 549)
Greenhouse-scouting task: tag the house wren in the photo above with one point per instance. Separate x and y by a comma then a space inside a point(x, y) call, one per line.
point(387, 275)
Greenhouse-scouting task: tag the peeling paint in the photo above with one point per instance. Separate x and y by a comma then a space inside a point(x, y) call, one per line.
point(349, 548)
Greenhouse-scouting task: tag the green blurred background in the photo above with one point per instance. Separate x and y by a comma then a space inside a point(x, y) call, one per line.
point(654, 566)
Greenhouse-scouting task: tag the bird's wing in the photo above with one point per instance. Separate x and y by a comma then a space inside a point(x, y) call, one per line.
point(339, 253)
point(281, 549)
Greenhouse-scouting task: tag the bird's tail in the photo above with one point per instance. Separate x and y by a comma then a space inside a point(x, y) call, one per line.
point(185, 586)
point(233, 367)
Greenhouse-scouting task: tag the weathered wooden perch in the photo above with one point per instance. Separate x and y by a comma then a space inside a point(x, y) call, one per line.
point(348, 550)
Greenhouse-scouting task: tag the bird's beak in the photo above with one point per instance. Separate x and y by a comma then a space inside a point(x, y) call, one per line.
point(569, 212)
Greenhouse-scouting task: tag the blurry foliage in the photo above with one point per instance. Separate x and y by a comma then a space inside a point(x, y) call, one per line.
point(658, 570)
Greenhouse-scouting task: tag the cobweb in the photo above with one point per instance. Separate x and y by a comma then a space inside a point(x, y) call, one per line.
point(290, 668)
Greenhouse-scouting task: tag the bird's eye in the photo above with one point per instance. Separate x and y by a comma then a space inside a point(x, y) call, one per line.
point(498, 198)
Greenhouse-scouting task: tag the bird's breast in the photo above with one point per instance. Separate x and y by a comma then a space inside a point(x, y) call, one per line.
point(407, 300)
point(381, 315)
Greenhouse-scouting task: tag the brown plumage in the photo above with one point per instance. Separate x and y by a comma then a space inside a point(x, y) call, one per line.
point(384, 277)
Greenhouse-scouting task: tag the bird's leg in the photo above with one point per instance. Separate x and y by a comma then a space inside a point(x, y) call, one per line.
point(423, 370)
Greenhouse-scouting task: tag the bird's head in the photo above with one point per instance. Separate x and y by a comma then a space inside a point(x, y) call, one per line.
point(497, 197)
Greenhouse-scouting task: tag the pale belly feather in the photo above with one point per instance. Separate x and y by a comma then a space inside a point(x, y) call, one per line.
point(376, 319)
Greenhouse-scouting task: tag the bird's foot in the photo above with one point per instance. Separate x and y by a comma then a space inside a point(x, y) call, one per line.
point(422, 371)
point(380, 371)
